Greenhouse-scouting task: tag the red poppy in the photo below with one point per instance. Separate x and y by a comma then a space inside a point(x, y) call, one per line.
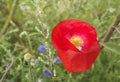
point(76, 43)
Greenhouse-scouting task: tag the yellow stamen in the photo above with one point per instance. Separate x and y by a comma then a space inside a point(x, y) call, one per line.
point(76, 40)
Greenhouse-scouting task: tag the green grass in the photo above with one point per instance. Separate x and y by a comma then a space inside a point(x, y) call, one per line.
point(31, 25)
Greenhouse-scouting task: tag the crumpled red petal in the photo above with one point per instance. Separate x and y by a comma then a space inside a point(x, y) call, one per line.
point(78, 61)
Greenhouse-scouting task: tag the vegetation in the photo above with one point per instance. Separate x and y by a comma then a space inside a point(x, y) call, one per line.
point(27, 24)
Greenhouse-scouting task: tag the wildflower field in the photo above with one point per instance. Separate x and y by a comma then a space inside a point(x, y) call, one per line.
point(59, 40)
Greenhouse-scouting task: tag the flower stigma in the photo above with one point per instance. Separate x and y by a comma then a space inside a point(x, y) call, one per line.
point(77, 41)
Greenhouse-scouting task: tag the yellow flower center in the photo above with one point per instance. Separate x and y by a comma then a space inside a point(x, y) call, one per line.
point(76, 40)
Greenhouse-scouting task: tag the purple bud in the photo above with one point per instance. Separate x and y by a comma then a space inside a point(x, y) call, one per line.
point(57, 60)
point(47, 73)
point(42, 48)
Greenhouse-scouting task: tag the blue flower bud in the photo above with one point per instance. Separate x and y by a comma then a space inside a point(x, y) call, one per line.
point(57, 60)
point(32, 62)
point(47, 73)
point(42, 48)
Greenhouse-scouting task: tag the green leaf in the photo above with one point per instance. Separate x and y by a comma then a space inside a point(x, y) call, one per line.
point(111, 46)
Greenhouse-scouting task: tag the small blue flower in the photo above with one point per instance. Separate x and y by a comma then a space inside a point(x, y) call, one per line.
point(57, 60)
point(42, 48)
point(47, 73)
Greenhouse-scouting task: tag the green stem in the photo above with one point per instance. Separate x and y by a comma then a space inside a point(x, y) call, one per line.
point(31, 74)
point(29, 43)
point(9, 17)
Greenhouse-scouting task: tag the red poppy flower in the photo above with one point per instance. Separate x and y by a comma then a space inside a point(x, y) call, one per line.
point(76, 43)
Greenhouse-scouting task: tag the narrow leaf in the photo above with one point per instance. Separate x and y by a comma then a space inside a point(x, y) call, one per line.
point(111, 46)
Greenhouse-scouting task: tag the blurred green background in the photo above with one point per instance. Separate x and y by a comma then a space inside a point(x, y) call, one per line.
point(26, 24)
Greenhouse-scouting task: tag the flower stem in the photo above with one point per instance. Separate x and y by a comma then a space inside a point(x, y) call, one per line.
point(31, 74)
point(112, 28)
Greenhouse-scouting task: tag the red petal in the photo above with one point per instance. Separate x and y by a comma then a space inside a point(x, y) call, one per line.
point(67, 28)
point(59, 40)
point(93, 53)
point(77, 61)
point(82, 29)
point(66, 58)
